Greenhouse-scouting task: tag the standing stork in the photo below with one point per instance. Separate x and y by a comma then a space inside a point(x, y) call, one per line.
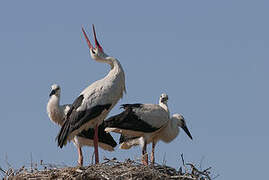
point(167, 134)
point(141, 120)
point(56, 113)
point(95, 102)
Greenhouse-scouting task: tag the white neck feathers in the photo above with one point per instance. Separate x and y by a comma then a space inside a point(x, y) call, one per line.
point(171, 131)
point(164, 106)
point(54, 111)
point(116, 73)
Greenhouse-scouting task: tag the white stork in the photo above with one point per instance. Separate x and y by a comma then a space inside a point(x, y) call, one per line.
point(56, 113)
point(141, 120)
point(167, 134)
point(95, 102)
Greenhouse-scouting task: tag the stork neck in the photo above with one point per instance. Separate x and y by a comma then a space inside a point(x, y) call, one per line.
point(54, 110)
point(115, 66)
point(114, 63)
point(171, 131)
point(116, 76)
point(54, 100)
point(173, 127)
point(164, 106)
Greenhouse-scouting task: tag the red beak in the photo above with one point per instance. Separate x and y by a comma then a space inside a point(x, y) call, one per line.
point(95, 39)
point(97, 45)
point(87, 39)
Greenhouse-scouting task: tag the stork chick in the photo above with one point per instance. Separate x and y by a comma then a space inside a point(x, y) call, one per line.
point(167, 134)
point(141, 120)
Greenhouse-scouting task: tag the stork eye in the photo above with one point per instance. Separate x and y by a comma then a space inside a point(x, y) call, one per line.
point(93, 51)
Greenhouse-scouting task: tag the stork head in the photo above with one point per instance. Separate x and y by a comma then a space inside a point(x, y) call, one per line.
point(55, 90)
point(164, 98)
point(182, 123)
point(97, 53)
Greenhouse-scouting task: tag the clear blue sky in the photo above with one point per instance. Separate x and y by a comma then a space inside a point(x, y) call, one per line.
point(210, 57)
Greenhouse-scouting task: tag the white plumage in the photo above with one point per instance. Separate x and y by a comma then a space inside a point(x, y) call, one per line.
point(95, 102)
point(142, 124)
point(167, 134)
point(56, 113)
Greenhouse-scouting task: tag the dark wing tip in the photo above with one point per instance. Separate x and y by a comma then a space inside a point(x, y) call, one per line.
point(136, 105)
point(105, 137)
point(124, 138)
point(62, 135)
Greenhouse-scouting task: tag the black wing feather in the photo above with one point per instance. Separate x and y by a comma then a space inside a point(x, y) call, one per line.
point(124, 138)
point(129, 120)
point(75, 105)
point(136, 105)
point(103, 137)
point(75, 119)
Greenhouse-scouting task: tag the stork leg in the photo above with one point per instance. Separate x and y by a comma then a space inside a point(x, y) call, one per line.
point(144, 154)
point(80, 157)
point(95, 143)
point(152, 157)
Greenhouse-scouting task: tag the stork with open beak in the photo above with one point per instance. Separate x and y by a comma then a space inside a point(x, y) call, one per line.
point(94, 103)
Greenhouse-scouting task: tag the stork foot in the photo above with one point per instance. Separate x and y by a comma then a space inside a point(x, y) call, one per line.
point(145, 159)
point(152, 159)
point(80, 162)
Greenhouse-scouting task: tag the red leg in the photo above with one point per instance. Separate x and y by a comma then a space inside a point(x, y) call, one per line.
point(152, 157)
point(144, 153)
point(95, 143)
point(80, 157)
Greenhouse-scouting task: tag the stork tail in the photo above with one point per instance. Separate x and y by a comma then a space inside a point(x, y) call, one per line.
point(63, 134)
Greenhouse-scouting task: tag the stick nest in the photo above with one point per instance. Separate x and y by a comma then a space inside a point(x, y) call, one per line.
point(110, 169)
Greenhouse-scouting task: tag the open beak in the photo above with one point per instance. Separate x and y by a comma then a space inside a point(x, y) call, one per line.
point(187, 131)
point(97, 45)
point(87, 39)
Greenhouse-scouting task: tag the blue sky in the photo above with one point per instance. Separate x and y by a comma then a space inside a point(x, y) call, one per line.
point(210, 57)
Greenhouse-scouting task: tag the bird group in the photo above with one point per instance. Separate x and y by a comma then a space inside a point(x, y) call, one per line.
point(84, 121)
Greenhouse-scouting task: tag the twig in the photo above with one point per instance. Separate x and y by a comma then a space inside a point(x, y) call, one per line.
point(205, 173)
point(6, 160)
point(92, 157)
point(183, 162)
point(31, 159)
point(3, 171)
point(201, 162)
point(182, 159)
point(216, 176)
point(207, 169)
point(164, 161)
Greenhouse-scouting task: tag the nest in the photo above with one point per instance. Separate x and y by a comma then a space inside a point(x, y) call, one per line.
point(111, 169)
